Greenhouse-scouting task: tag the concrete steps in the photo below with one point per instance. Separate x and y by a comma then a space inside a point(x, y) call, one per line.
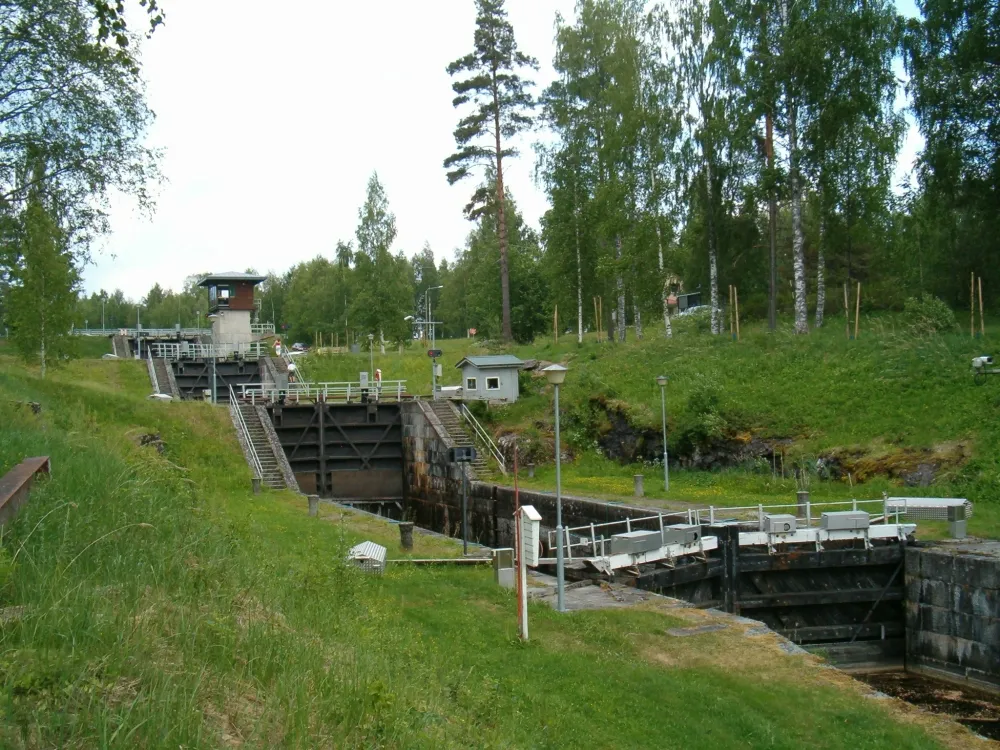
point(271, 472)
point(457, 430)
point(162, 378)
point(119, 346)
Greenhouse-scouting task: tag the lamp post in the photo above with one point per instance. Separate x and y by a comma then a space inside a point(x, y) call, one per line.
point(430, 322)
point(371, 355)
point(556, 374)
point(662, 382)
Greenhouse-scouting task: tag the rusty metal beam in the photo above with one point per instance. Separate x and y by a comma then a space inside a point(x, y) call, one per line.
point(16, 484)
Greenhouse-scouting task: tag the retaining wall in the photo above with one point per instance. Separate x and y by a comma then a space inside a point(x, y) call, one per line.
point(433, 490)
point(953, 612)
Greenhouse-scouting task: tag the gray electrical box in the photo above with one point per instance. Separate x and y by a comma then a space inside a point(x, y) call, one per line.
point(635, 542)
point(779, 523)
point(845, 520)
point(683, 533)
point(503, 567)
point(956, 522)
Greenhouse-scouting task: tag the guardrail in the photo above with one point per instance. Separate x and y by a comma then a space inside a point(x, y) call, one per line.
point(254, 458)
point(595, 536)
point(484, 438)
point(145, 332)
point(184, 350)
point(390, 390)
point(261, 329)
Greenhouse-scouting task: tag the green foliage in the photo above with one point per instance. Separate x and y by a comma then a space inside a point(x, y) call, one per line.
point(383, 285)
point(77, 106)
point(927, 314)
point(472, 294)
point(41, 294)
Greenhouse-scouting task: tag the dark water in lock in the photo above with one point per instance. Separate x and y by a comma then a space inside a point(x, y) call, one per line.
point(979, 711)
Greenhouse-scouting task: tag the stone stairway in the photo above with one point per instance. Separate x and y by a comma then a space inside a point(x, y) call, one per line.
point(460, 435)
point(119, 345)
point(162, 377)
point(269, 465)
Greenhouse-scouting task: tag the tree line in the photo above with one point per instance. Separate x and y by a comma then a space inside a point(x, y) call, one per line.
point(694, 144)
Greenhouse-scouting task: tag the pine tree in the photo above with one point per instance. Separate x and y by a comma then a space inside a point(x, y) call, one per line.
point(501, 109)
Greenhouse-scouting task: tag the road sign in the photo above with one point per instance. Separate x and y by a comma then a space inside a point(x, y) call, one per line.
point(433, 353)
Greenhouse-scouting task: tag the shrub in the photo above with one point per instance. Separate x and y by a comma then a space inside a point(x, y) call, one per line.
point(926, 314)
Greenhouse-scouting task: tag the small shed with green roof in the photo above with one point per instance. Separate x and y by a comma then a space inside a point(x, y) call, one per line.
point(490, 377)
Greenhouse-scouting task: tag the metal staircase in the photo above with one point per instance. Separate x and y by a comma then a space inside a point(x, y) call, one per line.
point(453, 424)
point(266, 465)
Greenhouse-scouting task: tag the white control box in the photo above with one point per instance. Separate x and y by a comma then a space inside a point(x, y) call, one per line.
point(531, 522)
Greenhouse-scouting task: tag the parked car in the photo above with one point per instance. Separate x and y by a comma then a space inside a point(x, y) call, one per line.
point(298, 346)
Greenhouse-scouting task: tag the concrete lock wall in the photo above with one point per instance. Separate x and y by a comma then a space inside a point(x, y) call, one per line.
point(953, 612)
point(433, 491)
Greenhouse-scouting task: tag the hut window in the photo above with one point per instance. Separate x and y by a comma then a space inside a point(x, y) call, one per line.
point(470, 384)
point(493, 384)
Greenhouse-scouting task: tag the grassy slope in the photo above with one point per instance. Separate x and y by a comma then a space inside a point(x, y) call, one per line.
point(165, 606)
point(887, 391)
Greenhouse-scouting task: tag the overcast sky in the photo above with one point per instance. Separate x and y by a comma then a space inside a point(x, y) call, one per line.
point(271, 122)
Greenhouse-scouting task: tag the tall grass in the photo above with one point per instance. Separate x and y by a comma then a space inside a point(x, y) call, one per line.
point(149, 600)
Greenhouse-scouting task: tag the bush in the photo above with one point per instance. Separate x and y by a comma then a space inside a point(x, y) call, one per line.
point(927, 314)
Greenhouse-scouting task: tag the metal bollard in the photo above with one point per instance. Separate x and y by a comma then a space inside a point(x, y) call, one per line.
point(637, 478)
point(802, 500)
point(406, 534)
point(314, 505)
point(255, 483)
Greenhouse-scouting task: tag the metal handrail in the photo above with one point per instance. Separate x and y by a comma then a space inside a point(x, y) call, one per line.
point(300, 373)
point(152, 370)
point(484, 438)
point(173, 351)
point(261, 329)
point(146, 332)
point(254, 458)
point(347, 391)
point(752, 514)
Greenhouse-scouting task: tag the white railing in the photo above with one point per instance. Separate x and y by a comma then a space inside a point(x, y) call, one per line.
point(254, 458)
point(145, 332)
point(184, 350)
point(390, 390)
point(262, 329)
point(594, 537)
point(300, 374)
point(484, 438)
point(809, 513)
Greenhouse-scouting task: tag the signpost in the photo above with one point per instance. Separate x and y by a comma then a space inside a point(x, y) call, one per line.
point(463, 454)
point(528, 522)
point(434, 354)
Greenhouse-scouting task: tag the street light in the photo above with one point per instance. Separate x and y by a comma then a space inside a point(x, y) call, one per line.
point(661, 380)
point(371, 355)
point(430, 322)
point(556, 374)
